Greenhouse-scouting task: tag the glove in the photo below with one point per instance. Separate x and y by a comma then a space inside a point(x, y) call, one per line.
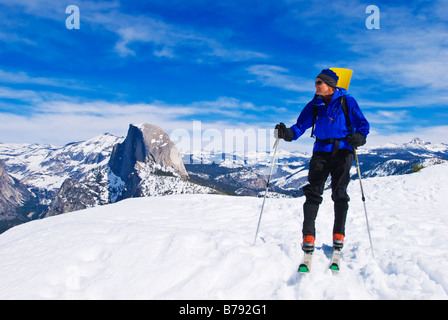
point(283, 133)
point(356, 140)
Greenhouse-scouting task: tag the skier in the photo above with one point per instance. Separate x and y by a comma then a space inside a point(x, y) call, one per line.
point(337, 133)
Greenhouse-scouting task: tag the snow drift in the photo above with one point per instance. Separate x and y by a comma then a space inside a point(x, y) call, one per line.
point(200, 247)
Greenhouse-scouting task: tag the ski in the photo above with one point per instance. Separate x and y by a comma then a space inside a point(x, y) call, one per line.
point(305, 266)
point(334, 266)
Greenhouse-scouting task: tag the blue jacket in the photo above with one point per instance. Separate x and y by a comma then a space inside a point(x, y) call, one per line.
point(330, 121)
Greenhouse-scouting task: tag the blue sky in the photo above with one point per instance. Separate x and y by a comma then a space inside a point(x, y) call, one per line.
point(230, 64)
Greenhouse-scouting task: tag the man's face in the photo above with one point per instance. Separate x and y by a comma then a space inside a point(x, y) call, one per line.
point(322, 88)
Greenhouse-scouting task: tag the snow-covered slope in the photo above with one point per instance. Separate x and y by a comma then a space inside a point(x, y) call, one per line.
point(200, 247)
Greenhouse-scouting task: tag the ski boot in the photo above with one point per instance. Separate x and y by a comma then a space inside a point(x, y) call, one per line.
point(308, 249)
point(338, 241)
point(308, 244)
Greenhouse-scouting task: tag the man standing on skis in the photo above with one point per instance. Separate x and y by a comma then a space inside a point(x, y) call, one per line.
point(337, 133)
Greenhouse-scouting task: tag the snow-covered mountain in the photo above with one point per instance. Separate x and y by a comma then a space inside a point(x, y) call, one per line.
point(246, 173)
point(98, 171)
point(106, 169)
point(45, 167)
point(393, 159)
point(200, 247)
point(13, 195)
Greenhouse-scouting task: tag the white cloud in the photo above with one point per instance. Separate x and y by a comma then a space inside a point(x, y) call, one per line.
point(167, 40)
point(435, 134)
point(24, 78)
point(279, 77)
point(64, 122)
point(136, 32)
point(61, 122)
point(409, 51)
point(59, 119)
point(387, 117)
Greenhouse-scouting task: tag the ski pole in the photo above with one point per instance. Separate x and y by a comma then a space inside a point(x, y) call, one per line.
point(363, 200)
point(267, 187)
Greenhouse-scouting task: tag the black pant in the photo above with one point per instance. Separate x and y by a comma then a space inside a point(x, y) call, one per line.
point(321, 165)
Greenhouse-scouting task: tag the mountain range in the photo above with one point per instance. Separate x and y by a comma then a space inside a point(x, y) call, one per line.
point(37, 181)
point(246, 173)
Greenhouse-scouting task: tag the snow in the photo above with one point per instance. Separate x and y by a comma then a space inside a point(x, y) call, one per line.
point(200, 247)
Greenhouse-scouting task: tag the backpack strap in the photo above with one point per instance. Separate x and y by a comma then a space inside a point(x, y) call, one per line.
point(314, 120)
point(347, 117)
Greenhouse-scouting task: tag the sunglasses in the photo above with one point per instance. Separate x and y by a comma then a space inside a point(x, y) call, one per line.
point(319, 82)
